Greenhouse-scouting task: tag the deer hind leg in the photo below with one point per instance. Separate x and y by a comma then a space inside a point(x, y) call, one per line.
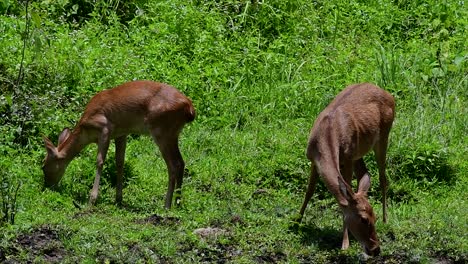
point(380, 150)
point(120, 144)
point(310, 189)
point(167, 142)
point(103, 146)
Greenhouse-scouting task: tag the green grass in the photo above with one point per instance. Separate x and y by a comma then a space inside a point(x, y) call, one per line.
point(258, 73)
point(253, 197)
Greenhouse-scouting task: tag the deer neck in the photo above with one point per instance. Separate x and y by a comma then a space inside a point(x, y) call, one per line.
point(73, 145)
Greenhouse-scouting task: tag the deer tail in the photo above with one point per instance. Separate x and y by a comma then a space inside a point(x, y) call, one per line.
point(189, 112)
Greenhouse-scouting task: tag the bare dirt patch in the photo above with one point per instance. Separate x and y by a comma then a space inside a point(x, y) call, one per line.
point(42, 243)
point(133, 252)
point(443, 257)
point(83, 212)
point(394, 258)
point(214, 253)
point(210, 232)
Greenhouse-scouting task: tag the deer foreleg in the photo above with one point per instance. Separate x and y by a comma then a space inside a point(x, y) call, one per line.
point(347, 174)
point(103, 146)
point(120, 144)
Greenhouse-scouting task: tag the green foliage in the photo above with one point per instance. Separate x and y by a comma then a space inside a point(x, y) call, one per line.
point(426, 164)
point(10, 185)
point(423, 168)
point(78, 12)
point(9, 7)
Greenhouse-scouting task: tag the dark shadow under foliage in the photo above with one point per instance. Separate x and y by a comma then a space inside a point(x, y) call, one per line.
point(110, 172)
point(157, 220)
point(325, 238)
point(81, 184)
point(426, 163)
point(448, 257)
point(77, 12)
point(212, 253)
point(131, 252)
point(422, 168)
point(401, 194)
point(270, 20)
point(271, 257)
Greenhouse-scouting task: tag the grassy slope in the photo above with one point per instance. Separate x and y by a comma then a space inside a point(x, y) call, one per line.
point(258, 76)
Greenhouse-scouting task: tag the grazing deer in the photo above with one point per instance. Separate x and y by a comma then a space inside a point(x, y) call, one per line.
point(137, 107)
point(357, 120)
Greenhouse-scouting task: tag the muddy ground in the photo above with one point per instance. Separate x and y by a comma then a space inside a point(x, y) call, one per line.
point(42, 243)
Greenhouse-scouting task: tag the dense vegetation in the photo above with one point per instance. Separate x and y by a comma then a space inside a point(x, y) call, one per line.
point(259, 72)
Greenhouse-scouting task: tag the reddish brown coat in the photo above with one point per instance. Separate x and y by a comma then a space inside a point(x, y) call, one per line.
point(137, 107)
point(358, 120)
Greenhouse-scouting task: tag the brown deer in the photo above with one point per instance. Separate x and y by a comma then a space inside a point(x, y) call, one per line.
point(137, 107)
point(357, 120)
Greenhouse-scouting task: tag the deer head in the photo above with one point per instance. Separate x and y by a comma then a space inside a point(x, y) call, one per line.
point(54, 164)
point(359, 216)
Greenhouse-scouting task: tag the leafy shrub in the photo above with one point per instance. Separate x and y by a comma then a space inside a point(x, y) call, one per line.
point(10, 7)
point(411, 170)
point(9, 188)
point(426, 164)
point(109, 172)
point(77, 12)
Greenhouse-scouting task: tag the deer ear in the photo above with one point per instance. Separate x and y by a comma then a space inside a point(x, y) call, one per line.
point(51, 150)
point(364, 184)
point(346, 191)
point(63, 136)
